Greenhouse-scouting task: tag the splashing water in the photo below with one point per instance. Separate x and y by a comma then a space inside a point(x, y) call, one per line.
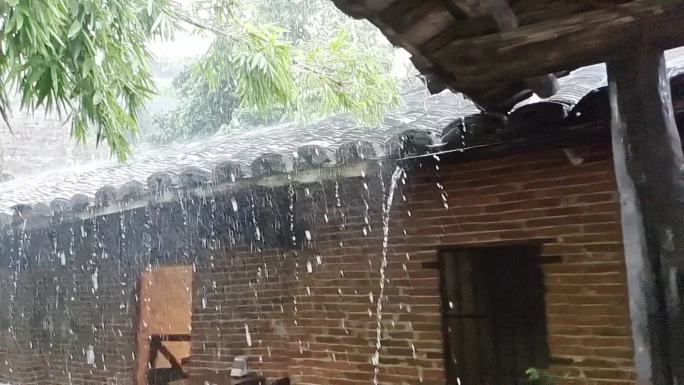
point(386, 210)
point(248, 336)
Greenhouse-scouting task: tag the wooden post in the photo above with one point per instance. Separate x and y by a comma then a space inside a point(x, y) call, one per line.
point(648, 165)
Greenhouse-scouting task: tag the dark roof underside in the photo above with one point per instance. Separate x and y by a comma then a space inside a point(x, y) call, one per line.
point(499, 52)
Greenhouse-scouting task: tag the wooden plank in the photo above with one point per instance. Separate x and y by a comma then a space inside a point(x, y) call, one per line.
point(426, 26)
point(648, 162)
point(536, 11)
point(404, 14)
point(560, 44)
point(172, 337)
point(544, 86)
point(461, 29)
point(452, 251)
point(362, 8)
point(470, 8)
point(503, 14)
point(485, 23)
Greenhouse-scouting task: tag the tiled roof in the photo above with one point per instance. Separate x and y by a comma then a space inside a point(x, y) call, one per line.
point(421, 112)
point(275, 149)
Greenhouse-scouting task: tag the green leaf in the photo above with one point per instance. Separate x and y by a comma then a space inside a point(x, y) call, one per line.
point(97, 98)
point(19, 21)
point(74, 29)
point(156, 23)
point(277, 64)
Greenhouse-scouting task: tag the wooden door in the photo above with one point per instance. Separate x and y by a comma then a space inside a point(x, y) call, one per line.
point(494, 315)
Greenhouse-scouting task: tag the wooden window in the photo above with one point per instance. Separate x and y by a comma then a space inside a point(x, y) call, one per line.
point(494, 314)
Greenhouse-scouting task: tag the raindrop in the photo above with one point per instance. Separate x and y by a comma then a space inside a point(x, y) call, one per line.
point(95, 280)
point(248, 336)
point(90, 355)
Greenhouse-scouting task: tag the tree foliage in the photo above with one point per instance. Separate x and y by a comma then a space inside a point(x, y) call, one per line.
point(84, 58)
point(203, 110)
point(88, 59)
point(298, 73)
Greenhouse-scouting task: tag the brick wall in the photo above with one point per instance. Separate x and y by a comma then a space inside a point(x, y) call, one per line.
point(543, 196)
point(318, 325)
point(306, 307)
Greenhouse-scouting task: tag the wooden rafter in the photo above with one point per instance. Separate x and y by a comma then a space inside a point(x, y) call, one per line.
point(564, 44)
point(474, 46)
point(467, 8)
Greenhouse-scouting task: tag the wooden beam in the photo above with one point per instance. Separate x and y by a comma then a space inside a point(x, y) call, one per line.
point(561, 44)
point(468, 8)
point(543, 85)
point(648, 165)
point(535, 11)
point(404, 14)
point(503, 14)
point(359, 9)
point(462, 29)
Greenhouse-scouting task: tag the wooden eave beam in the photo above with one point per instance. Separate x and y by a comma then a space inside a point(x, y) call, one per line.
point(543, 85)
point(362, 9)
point(561, 44)
point(467, 8)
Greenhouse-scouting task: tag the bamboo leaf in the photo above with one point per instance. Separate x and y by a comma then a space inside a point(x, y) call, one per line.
point(19, 21)
point(75, 28)
point(97, 97)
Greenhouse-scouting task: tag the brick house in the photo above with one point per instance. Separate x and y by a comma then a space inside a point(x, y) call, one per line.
point(501, 251)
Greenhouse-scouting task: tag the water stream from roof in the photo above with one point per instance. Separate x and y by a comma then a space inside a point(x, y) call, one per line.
point(386, 211)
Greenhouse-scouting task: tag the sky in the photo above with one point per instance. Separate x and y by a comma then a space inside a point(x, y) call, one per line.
point(184, 45)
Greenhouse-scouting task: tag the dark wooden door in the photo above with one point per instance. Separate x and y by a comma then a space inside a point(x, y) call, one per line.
point(494, 315)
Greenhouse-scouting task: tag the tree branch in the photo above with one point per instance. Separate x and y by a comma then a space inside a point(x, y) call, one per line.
point(180, 16)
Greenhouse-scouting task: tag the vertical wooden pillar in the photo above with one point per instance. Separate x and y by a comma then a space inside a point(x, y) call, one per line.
point(648, 160)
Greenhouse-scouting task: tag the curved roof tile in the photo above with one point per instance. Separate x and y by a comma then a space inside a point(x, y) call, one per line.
point(421, 111)
point(214, 158)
